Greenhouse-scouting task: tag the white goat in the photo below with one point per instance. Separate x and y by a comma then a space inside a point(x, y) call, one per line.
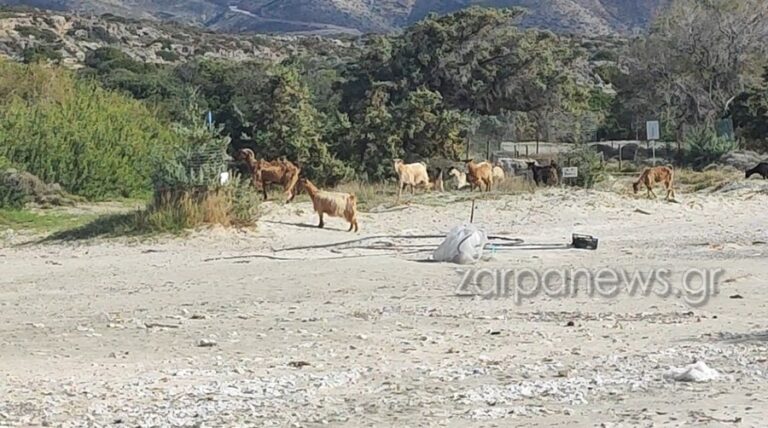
point(412, 174)
point(459, 178)
point(498, 173)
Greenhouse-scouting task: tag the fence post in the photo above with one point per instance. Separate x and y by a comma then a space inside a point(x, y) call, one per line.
point(466, 150)
point(620, 147)
point(488, 149)
point(526, 150)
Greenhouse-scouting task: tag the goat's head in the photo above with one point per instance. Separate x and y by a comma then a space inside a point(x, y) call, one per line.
point(245, 154)
point(636, 186)
point(530, 164)
point(301, 184)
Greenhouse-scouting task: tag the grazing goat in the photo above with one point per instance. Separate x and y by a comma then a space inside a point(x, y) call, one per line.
point(657, 174)
point(480, 175)
point(459, 178)
point(546, 175)
point(334, 204)
point(436, 179)
point(498, 173)
point(281, 172)
point(761, 168)
point(412, 174)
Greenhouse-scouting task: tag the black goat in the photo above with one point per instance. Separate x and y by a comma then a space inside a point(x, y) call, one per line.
point(544, 174)
point(761, 168)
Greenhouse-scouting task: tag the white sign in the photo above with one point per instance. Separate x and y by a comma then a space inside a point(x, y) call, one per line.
point(570, 172)
point(224, 178)
point(652, 130)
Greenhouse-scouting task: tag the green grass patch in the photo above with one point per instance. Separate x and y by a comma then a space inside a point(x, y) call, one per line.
point(41, 222)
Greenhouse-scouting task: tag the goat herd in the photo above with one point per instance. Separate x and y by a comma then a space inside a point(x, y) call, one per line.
point(478, 176)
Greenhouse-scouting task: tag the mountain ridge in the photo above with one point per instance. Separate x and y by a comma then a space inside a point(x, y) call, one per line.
point(591, 17)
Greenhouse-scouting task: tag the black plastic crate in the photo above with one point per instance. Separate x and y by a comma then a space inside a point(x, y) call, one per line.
point(585, 242)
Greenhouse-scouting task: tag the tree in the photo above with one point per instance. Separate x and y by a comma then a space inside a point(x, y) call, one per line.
point(750, 115)
point(288, 125)
point(699, 56)
point(427, 128)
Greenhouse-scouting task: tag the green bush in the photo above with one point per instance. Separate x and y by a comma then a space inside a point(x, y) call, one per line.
point(95, 143)
point(41, 53)
point(587, 160)
point(43, 35)
point(199, 160)
point(704, 146)
point(168, 55)
point(10, 196)
point(188, 191)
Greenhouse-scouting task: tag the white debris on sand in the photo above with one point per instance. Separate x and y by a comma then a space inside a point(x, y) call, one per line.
point(697, 372)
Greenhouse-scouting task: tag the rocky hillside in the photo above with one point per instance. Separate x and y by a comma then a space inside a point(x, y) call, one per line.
point(591, 17)
point(67, 38)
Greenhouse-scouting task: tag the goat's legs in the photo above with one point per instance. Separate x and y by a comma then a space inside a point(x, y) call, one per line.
point(290, 188)
point(651, 192)
point(670, 191)
point(322, 224)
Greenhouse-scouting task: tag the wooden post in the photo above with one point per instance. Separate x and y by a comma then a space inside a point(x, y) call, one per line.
point(466, 150)
point(472, 213)
point(620, 147)
point(488, 150)
point(526, 150)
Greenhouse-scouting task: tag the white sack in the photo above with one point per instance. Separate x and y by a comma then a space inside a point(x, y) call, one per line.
point(463, 245)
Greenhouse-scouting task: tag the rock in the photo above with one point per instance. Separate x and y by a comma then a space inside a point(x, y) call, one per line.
point(742, 160)
point(206, 343)
point(697, 372)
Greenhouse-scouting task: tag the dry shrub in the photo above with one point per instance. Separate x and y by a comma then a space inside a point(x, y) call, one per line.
point(694, 181)
point(174, 210)
point(515, 184)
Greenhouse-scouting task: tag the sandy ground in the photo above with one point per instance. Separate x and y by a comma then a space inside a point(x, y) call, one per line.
point(108, 332)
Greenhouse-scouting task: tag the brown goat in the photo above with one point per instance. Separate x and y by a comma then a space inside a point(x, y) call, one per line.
point(334, 204)
point(657, 174)
point(281, 171)
point(480, 175)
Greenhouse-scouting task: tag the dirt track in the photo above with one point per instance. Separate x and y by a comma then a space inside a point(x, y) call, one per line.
point(107, 332)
